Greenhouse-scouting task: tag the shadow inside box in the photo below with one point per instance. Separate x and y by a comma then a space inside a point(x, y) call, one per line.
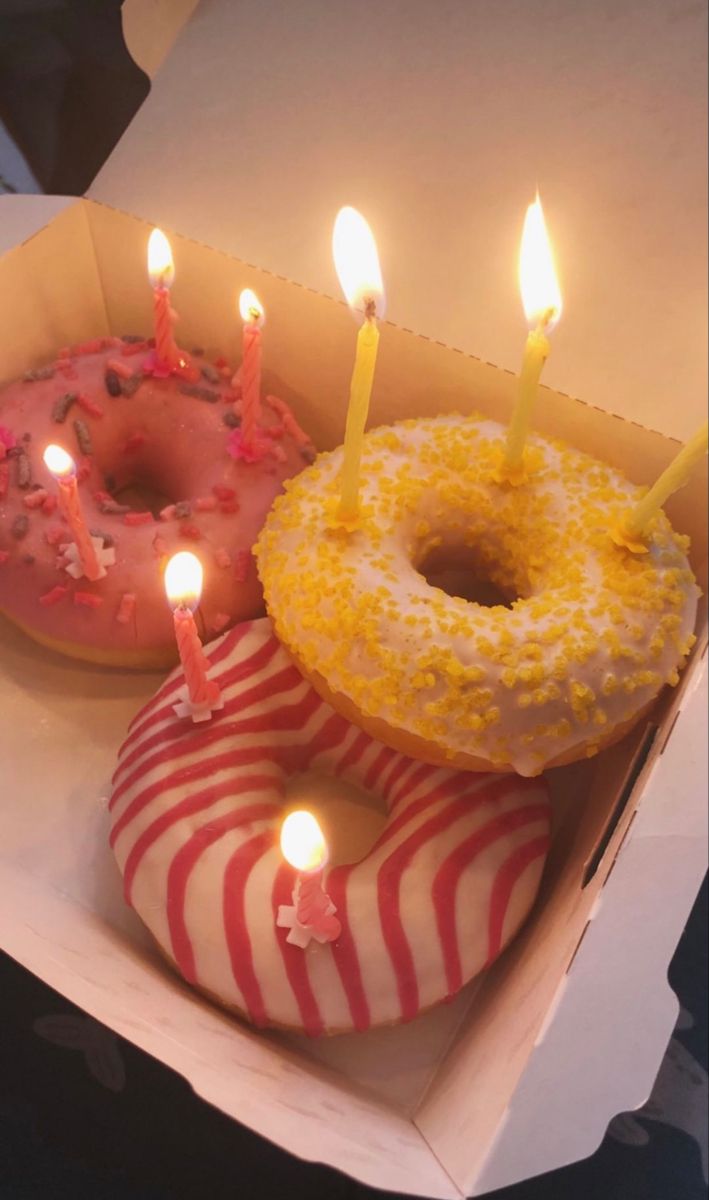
point(55, 674)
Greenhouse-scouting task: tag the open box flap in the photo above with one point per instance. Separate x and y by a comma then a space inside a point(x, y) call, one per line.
point(438, 123)
point(50, 289)
point(584, 1033)
point(23, 216)
point(150, 28)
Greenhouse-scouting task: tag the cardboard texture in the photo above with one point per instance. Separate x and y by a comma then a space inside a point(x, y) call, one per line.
point(449, 1105)
point(150, 28)
point(438, 122)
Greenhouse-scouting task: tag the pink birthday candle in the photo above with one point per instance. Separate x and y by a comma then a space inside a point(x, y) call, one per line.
point(250, 377)
point(183, 584)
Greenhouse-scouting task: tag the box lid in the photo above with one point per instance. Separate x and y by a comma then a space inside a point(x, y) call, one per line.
point(438, 122)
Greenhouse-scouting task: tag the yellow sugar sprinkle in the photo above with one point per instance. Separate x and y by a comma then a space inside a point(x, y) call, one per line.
point(588, 628)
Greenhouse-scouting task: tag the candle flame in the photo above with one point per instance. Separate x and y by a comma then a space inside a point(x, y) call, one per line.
point(183, 580)
point(541, 294)
point(357, 262)
point(250, 307)
point(60, 463)
point(302, 842)
point(161, 268)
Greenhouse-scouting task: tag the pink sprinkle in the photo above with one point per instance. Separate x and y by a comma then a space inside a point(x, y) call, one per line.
point(66, 369)
point(134, 442)
point(188, 530)
point(229, 506)
point(92, 347)
point(138, 518)
point(220, 621)
point(7, 439)
point(121, 368)
point(126, 608)
point(89, 406)
point(220, 363)
point(4, 477)
point(128, 349)
point(159, 546)
point(223, 493)
point(50, 505)
point(221, 558)
point(54, 535)
point(187, 371)
point(282, 410)
point(54, 596)
point(205, 503)
point(4, 555)
point(87, 600)
point(34, 499)
point(242, 562)
point(249, 452)
point(168, 512)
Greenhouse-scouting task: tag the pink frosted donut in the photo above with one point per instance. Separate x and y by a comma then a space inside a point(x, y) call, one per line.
point(162, 446)
point(196, 813)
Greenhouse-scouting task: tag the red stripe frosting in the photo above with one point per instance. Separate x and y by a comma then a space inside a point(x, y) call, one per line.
point(180, 790)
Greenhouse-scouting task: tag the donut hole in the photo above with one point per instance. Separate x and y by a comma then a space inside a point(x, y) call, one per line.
point(458, 571)
point(350, 817)
point(140, 492)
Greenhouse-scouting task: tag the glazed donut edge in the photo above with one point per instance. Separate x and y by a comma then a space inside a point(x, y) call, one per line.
point(584, 636)
point(195, 815)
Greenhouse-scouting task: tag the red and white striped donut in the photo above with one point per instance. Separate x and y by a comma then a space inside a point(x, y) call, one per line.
point(196, 812)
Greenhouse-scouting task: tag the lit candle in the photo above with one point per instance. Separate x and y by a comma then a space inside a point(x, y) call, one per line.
point(251, 311)
point(357, 265)
point(312, 914)
point(634, 525)
point(162, 273)
point(183, 585)
point(541, 299)
point(62, 467)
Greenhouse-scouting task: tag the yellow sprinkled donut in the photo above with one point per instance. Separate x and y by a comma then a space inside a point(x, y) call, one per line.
point(585, 634)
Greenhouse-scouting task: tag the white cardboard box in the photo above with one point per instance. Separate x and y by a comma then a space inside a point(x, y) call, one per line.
point(524, 1070)
point(522, 1073)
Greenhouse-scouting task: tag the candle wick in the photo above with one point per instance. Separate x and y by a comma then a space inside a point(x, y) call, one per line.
point(370, 309)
